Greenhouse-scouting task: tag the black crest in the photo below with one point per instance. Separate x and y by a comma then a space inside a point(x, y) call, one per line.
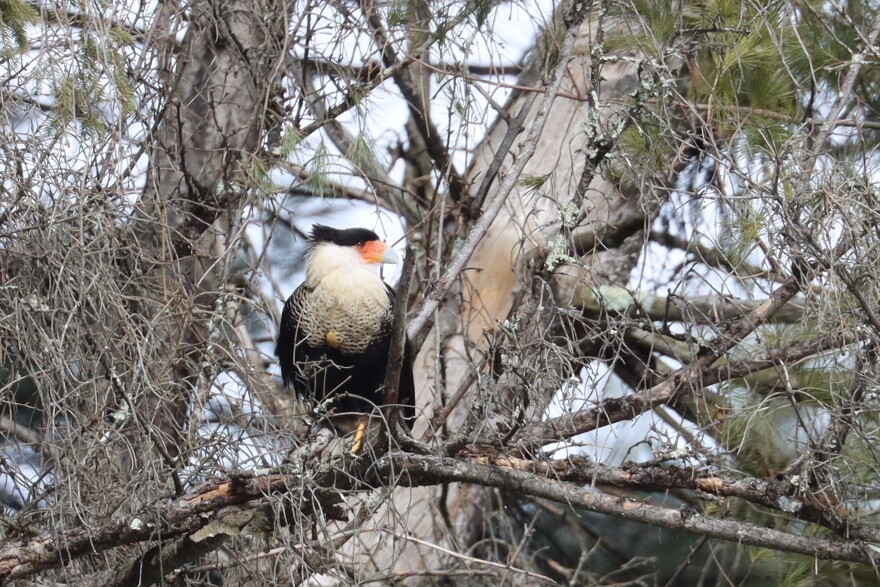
point(344, 238)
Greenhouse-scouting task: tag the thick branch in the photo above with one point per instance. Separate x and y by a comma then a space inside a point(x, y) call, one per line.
point(21, 558)
point(691, 309)
point(560, 480)
point(779, 495)
point(423, 470)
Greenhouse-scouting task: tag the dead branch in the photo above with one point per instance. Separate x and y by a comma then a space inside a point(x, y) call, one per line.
point(625, 408)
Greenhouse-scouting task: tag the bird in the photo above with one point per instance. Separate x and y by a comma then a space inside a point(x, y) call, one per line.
point(336, 330)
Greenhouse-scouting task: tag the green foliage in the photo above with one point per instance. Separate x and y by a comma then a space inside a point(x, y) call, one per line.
point(259, 174)
point(817, 387)
point(752, 434)
point(805, 571)
point(548, 44)
point(827, 42)
point(361, 155)
point(731, 58)
point(783, 569)
point(749, 72)
point(75, 96)
point(747, 68)
point(116, 69)
point(860, 453)
point(741, 78)
point(120, 36)
point(400, 12)
point(14, 16)
point(290, 140)
point(317, 168)
point(481, 10)
point(642, 150)
point(739, 231)
point(98, 78)
point(530, 184)
point(659, 22)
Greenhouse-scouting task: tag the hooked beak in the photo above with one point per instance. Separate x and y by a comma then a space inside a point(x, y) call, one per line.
point(390, 256)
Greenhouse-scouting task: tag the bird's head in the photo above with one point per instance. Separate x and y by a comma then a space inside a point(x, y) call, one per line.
point(332, 248)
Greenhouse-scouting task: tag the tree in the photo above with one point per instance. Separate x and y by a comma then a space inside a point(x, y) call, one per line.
point(643, 297)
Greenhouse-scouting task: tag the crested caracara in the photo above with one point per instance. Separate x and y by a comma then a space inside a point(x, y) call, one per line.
point(335, 330)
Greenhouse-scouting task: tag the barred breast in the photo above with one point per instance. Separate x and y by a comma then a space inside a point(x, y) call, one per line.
point(344, 312)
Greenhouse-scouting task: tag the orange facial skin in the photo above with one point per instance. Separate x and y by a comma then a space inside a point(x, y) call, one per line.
point(372, 251)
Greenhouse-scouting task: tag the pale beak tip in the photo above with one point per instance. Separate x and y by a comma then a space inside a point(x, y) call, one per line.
point(390, 257)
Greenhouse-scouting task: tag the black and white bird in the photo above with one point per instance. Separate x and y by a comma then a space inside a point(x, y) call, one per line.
point(336, 327)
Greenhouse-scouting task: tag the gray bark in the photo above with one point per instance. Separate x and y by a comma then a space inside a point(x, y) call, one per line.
point(220, 86)
point(494, 279)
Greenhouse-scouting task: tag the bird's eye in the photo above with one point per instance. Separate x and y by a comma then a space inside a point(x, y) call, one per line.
point(360, 246)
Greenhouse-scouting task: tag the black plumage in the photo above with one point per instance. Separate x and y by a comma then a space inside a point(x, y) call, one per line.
point(335, 332)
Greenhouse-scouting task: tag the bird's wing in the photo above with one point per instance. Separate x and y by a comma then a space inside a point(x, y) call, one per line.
point(287, 348)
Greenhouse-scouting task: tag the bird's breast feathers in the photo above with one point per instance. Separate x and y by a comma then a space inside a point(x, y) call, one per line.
point(345, 310)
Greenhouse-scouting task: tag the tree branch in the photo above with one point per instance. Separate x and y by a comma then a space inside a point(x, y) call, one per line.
point(779, 495)
point(698, 374)
point(422, 470)
point(418, 110)
point(203, 515)
point(691, 309)
point(397, 350)
point(22, 558)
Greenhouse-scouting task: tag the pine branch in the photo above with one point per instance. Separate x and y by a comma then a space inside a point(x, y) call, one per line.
point(418, 108)
point(711, 256)
point(366, 164)
point(696, 375)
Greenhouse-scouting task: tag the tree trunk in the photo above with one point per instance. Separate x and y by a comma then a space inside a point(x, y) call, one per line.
point(219, 107)
point(498, 275)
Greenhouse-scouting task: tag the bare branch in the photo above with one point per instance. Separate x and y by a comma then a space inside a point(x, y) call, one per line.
point(427, 469)
point(625, 408)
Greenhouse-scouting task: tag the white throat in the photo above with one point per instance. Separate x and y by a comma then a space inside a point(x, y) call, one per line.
point(325, 259)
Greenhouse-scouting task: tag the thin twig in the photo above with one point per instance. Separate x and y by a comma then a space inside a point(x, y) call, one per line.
point(397, 350)
point(479, 561)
